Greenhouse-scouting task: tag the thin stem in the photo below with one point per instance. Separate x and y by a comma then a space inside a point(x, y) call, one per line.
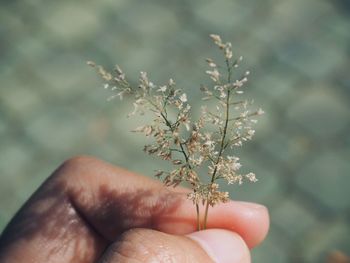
point(187, 162)
point(222, 144)
point(198, 218)
point(206, 214)
point(167, 122)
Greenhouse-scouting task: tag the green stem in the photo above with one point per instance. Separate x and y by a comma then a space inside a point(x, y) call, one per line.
point(198, 218)
point(222, 141)
point(187, 162)
point(206, 215)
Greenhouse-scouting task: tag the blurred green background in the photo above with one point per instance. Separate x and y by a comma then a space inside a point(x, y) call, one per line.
point(53, 106)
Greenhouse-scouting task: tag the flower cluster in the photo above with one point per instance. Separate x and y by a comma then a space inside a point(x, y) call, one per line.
point(190, 144)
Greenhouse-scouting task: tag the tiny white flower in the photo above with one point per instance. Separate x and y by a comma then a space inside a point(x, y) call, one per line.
point(209, 143)
point(238, 143)
point(162, 88)
point(214, 74)
point(118, 69)
point(216, 38)
point(260, 111)
point(143, 75)
point(183, 97)
point(151, 85)
point(223, 94)
point(238, 84)
point(228, 51)
point(236, 166)
point(232, 158)
point(251, 132)
point(251, 177)
point(228, 54)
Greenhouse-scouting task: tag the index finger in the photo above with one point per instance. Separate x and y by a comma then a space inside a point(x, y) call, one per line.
point(87, 203)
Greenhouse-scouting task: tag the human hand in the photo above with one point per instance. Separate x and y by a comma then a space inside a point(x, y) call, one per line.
point(90, 211)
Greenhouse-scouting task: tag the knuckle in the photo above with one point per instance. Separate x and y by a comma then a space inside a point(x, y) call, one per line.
point(71, 171)
point(77, 162)
point(74, 167)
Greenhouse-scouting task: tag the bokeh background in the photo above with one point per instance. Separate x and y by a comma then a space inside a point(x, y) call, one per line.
point(53, 106)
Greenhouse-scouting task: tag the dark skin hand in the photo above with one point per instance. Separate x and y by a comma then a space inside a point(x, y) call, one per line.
point(91, 211)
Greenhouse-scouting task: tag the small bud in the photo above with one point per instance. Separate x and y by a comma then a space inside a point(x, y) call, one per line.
point(91, 63)
point(183, 97)
point(216, 38)
point(260, 112)
point(159, 173)
point(177, 162)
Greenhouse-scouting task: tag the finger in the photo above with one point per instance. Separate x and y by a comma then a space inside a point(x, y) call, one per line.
point(249, 220)
point(117, 200)
point(87, 203)
point(144, 245)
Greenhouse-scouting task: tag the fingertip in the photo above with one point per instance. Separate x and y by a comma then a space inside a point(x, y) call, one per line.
point(249, 220)
point(259, 228)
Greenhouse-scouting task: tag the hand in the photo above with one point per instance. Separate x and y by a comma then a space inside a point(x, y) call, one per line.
point(90, 211)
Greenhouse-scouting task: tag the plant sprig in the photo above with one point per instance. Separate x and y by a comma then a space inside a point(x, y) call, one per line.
point(187, 144)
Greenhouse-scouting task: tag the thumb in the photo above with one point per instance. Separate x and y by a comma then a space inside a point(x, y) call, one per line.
point(145, 245)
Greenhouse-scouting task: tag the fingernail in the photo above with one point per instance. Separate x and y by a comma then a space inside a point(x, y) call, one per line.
point(251, 205)
point(222, 246)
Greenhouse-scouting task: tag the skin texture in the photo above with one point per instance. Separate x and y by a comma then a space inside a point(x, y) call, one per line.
point(91, 211)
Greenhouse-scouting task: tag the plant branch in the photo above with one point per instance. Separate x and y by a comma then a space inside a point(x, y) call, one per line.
point(188, 165)
point(222, 144)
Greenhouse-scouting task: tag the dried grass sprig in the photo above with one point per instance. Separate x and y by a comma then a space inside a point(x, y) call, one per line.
point(192, 144)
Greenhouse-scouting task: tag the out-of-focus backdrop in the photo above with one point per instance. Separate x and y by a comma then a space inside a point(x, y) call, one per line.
point(53, 106)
